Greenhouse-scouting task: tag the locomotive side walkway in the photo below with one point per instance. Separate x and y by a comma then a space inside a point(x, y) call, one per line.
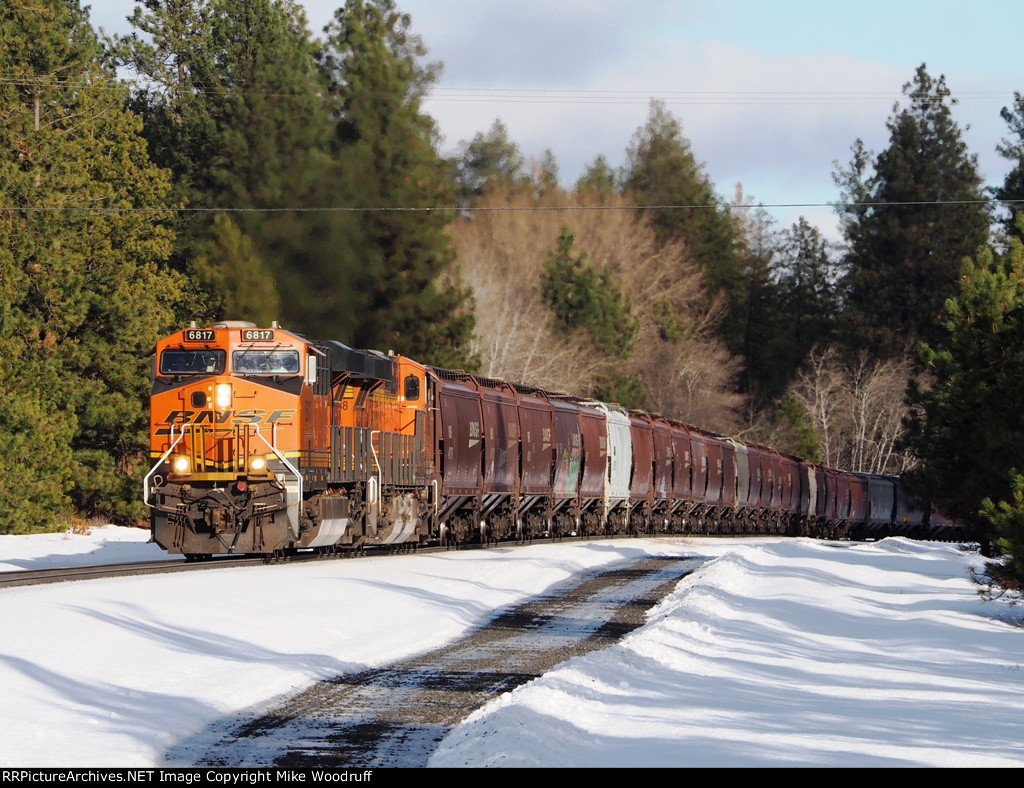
point(396, 716)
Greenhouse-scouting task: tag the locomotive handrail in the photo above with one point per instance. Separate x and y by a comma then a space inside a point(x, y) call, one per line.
point(158, 463)
point(376, 461)
point(289, 466)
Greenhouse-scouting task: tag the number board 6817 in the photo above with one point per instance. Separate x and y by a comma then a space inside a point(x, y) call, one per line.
point(257, 335)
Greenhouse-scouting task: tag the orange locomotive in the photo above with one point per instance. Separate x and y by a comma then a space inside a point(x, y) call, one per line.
point(266, 442)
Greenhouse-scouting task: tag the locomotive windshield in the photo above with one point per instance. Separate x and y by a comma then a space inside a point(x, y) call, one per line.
point(192, 362)
point(265, 362)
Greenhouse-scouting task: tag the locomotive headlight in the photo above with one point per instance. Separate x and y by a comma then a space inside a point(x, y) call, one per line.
point(222, 396)
point(180, 465)
point(257, 463)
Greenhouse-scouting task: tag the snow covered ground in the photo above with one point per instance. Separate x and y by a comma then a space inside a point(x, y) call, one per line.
point(777, 652)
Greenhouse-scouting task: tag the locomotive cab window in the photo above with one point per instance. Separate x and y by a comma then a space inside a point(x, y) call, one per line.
point(192, 362)
point(412, 388)
point(265, 362)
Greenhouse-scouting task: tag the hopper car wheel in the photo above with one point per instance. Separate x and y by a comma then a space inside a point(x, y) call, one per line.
point(198, 556)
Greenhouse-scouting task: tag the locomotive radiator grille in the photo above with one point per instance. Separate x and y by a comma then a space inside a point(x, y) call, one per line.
point(357, 453)
point(396, 459)
point(351, 455)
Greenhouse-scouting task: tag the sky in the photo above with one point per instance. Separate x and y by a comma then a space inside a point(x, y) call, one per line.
point(771, 94)
point(775, 652)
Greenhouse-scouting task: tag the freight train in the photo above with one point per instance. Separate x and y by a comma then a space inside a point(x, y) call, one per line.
point(265, 442)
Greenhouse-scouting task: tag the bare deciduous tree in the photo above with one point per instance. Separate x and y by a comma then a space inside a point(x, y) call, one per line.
point(858, 409)
point(684, 368)
point(501, 247)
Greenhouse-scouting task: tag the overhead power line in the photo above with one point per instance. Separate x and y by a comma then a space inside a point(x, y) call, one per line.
point(503, 208)
point(736, 97)
point(470, 95)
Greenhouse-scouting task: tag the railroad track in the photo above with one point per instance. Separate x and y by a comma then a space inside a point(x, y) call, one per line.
point(28, 577)
point(60, 574)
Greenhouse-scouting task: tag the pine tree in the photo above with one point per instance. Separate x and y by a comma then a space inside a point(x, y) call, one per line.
point(1012, 190)
point(490, 162)
point(909, 222)
point(544, 174)
point(230, 93)
point(234, 106)
point(1006, 518)
point(598, 180)
point(662, 172)
point(794, 432)
point(585, 299)
point(582, 297)
point(808, 282)
point(82, 236)
point(227, 266)
point(762, 318)
point(405, 305)
point(969, 425)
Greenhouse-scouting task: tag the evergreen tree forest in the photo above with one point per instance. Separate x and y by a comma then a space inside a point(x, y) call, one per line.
point(225, 162)
point(84, 236)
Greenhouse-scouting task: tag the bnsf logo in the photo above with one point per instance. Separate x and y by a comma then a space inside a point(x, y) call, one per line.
point(232, 417)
